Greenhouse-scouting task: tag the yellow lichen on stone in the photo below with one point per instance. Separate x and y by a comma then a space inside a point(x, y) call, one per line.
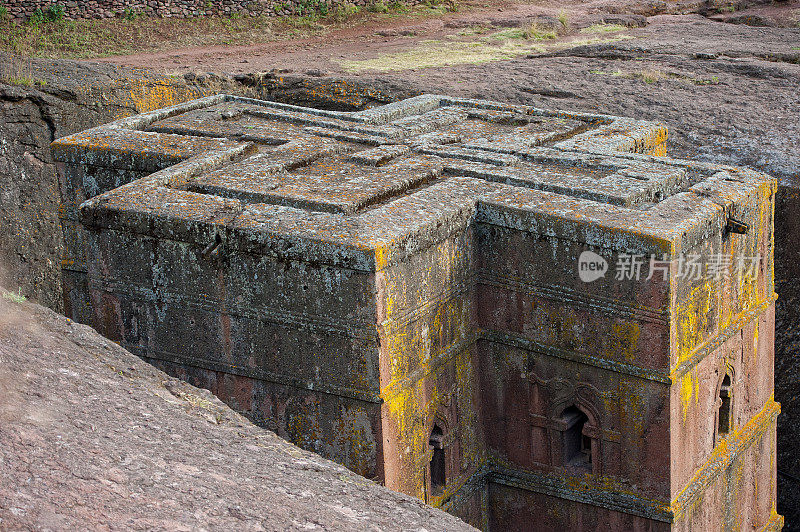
point(623, 340)
point(689, 388)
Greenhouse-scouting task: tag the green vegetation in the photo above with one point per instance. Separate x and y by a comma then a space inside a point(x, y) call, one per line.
point(42, 36)
point(441, 6)
point(472, 30)
point(25, 81)
point(378, 7)
point(651, 76)
point(48, 34)
point(648, 76)
point(53, 13)
point(130, 14)
point(430, 54)
point(503, 35)
point(19, 71)
point(344, 12)
point(314, 9)
point(398, 8)
point(603, 28)
point(498, 46)
point(536, 32)
point(713, 80)
point(563, 19)
point(15, 297)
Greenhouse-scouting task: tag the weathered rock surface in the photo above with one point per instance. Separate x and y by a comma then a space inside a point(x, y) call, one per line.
point(92, 437)
point(77, 96)
point(74, 96)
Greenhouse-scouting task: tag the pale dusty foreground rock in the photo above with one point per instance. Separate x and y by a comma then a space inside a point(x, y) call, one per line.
point(91, 437)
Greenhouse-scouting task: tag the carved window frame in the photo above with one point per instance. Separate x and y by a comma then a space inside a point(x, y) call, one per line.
point(447, 448)
point(591, 429)
point(724, 403)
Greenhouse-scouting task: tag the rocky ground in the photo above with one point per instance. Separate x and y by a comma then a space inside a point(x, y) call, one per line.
point(93, 438)
point(729, 92)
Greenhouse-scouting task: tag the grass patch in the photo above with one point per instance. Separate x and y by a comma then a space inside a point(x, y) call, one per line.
point(561, 45)
point(439, 54)
point(651, 76)
point(378, 7)
point(648, 76)
point(431, 54)
point(441, 6)
point(19, 71)
point(514, 33)
point(48, 34)
point(713, 80)
point(398, 8)
point(95, 38)
point(14, 297)
point(563, 18)
point(472, 30)
point(534, 32)
point(26, 81)
point(603, 28)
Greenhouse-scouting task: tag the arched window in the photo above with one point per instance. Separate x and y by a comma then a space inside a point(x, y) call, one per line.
point(437, 460)
point(724, 416)
point(576, 446)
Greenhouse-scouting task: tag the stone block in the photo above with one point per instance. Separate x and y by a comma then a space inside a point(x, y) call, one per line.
point(502, 310)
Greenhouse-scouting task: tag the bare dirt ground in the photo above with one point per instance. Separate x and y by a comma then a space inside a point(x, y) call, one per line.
point(724, 78)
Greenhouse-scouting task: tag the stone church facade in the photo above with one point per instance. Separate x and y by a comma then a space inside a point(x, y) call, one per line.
point(533, 319)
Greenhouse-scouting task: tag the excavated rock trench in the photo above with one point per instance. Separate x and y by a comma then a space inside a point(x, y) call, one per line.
point(729, 94)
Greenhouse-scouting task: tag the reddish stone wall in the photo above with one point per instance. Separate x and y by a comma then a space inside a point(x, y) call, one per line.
point(327, 403)
point(546, 349)
point(744, 489)
point(427, 366)
point(726, 326)
point(516, 509)
point(694, 420)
